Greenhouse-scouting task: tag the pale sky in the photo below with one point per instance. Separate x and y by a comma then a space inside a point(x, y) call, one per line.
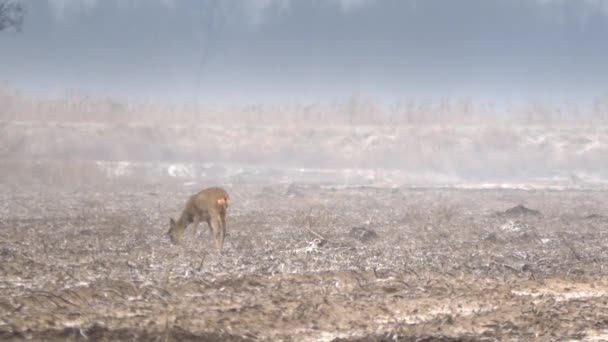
point(309, 50)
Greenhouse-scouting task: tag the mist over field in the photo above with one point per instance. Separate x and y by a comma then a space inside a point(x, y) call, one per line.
point(358, 92)
point(403, 170)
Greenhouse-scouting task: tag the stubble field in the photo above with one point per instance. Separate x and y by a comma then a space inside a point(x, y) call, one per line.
point(303, 263)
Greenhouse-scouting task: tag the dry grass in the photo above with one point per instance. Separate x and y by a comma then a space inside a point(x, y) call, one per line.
point(448, 142)
point(445, 264)
point(84, 256)
point(22, 107)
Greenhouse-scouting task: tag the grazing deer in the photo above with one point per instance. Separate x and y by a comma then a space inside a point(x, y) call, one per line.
point(208, 205)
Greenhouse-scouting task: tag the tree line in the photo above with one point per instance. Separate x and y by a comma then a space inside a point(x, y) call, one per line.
point(11, 15)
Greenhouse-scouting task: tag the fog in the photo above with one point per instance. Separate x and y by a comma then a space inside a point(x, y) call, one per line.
point(470, 93)
point(306, 51)
point(429, 170)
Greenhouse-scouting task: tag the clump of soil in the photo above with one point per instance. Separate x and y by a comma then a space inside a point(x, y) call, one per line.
point(363, 234)
point(519, 211)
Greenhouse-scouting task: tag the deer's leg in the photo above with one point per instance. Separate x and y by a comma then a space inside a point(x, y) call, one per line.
point(223, 225)
point(195, 221)
point(223, 218)
point(218, 231)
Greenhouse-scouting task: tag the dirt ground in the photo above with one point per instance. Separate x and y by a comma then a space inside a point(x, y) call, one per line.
point(302, 263)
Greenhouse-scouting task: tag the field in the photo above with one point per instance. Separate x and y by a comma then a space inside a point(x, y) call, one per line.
point(304, 263)
point(354, 222)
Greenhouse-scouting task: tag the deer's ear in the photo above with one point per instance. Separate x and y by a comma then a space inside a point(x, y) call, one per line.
point(172, 221)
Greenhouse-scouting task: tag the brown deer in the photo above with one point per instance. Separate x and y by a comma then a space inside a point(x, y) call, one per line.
point(208, 205)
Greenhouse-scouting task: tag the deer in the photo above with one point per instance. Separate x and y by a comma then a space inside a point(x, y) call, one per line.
point(208, 205)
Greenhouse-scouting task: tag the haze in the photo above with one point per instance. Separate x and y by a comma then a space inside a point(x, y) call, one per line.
point(305, 51)
point(471, 93)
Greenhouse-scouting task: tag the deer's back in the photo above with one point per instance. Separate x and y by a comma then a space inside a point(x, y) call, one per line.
point(214, 198)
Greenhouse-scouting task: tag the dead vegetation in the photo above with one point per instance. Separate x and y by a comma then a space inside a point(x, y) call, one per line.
point(77, 110)
point(94, 264)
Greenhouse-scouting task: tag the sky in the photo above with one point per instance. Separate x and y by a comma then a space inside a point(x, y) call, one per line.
point(310, 50)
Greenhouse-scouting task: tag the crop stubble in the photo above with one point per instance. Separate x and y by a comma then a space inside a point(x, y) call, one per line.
point(93, 263)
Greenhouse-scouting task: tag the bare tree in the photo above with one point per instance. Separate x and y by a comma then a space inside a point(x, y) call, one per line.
point(11, 14)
